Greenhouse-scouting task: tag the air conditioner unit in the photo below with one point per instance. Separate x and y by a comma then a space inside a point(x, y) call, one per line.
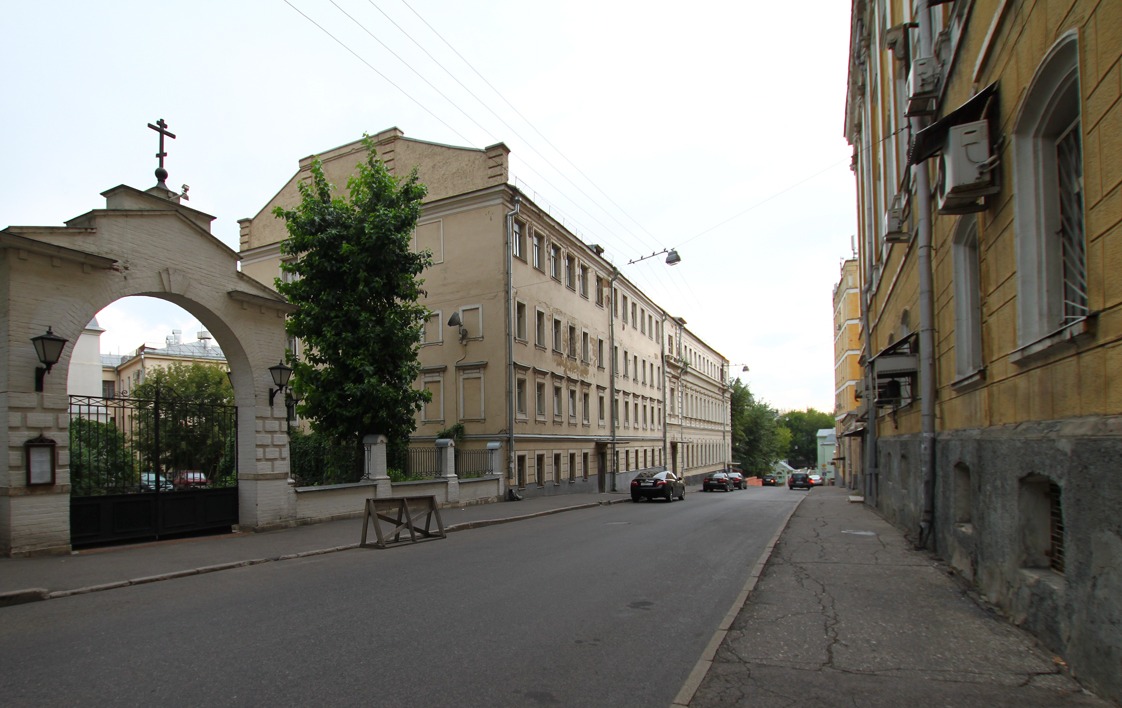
point(966, 168)
point(895, 224)
point(923, 87)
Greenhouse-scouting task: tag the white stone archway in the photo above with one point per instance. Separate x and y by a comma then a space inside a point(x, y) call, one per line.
point(141, 243)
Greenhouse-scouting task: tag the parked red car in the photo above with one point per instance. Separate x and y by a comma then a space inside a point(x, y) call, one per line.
point(186, 479)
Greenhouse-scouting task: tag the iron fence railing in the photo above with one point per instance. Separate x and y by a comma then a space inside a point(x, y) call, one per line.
point(423, 463)
point(473, 463)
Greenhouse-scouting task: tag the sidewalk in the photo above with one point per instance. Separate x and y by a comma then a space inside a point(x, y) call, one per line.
point(846, 612)
point(46, 577)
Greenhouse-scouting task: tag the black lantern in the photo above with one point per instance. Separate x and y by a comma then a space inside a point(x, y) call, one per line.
point(48, 347)
point(281, 375)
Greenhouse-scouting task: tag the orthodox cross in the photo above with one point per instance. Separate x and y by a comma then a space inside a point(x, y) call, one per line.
point(162, 128)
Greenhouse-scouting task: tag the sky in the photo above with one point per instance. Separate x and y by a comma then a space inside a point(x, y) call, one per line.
point(713, 128)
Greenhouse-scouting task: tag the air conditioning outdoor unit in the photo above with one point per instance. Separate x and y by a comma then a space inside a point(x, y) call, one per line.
point(923, 87)
point(895, 225)
point(966, 168)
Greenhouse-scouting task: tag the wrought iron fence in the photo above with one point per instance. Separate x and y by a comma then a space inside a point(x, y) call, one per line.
point(473, 463)
point(423, 463)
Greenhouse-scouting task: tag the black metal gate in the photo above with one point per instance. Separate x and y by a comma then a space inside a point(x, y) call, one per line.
point(144, 469)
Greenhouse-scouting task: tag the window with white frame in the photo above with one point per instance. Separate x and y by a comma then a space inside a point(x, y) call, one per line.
point(557, 339)
point(539, 400)
point(555, 262)
point(517, 240)
point(570, 274)
point(582, 281)
point(520, 321)
point(521, 397)
point(572, 404)
point(572, 341)
point(539, 329)
point(556, 401)
point(1048, 183)
point(967, 298)
point(536, 251)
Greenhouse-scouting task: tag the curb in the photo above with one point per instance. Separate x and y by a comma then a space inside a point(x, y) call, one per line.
point(701, 668)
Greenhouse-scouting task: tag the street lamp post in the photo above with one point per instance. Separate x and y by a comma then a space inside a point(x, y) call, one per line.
point(672, 259)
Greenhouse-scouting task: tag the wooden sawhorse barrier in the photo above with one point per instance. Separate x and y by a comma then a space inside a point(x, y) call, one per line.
point(407, 509)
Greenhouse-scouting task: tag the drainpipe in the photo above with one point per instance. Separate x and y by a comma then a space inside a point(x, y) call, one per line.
point(870, 451)
point(665, 377)
point(612, 410)
point(926, 315)
point(511, 383)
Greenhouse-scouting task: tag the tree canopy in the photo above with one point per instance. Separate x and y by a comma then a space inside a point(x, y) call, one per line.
point(757, 439)
point(804, 427)
point(353, 274)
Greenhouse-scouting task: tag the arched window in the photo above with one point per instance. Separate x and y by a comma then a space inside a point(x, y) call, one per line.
point(1048, 183)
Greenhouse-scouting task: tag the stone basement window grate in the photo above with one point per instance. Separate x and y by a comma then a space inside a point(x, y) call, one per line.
point(1057, 528)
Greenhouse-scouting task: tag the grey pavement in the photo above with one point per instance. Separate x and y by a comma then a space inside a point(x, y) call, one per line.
point(840, 611)
point(50, 577)
point(846, 612)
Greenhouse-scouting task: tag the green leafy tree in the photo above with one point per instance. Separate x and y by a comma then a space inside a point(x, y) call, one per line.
point(101, 459)
point(755, 431)
point(196, 421)
point(804, 427)
point(354, 278)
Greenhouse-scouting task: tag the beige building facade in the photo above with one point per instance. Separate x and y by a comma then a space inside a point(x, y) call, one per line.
point(536, 340)
point(986, 145)
point(848, 374)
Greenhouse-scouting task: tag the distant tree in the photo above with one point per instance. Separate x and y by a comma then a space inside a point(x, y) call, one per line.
point(803, 427)
point(354, 278)
point(755, 431)
point(196, 429)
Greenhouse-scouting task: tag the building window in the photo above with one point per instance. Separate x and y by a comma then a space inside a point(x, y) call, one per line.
point(536, 251)
point(599, 291)
point(582, 281)
point(600, 353)
point(555, 262)
point(517, 240)
point(1048, 182)
point(572, 341)
point(557, 467)
point(967, 299)
point(539, 471)
point(625, 309)
point(521, 397)
point(557, 335)
point(572, 466)
point(572, 404)
point(108, 389)
point(585, 347)
point(540, 399)
point(600, 409)
point(570, 275)
point(626, 358)
point(643, 321)
point(557, 401)
point(520, 321)
point(584, 407)
point(539, 329)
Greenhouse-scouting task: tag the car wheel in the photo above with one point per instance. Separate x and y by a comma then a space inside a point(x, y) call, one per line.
point(682, 496)
point(669, 495)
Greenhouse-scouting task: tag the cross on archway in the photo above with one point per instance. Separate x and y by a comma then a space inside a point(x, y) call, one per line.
point(161, 127)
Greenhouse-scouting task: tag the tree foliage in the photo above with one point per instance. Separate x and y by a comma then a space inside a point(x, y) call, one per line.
point(354, 277)
point(196, 421)
point(756, 435)
point(804, 427)
point(101, 459)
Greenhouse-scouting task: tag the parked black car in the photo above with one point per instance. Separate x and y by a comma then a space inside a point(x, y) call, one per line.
point(771, 480)
point(717, 480)
point(800, 480)
point(738, 480)
point(657, 485)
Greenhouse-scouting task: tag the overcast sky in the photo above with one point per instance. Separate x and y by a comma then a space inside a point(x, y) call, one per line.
point(711, 127)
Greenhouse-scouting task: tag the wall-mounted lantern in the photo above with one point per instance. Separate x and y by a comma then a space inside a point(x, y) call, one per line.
point(48, 347)
point(281, 375)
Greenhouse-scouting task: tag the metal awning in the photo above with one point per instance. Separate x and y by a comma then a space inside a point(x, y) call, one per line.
point(930, 140)
point(859, 430)
point(897, 359)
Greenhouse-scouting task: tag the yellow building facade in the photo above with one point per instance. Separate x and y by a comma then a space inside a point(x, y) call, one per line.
point(986, 153)
point(848, 374)
point(536, 341)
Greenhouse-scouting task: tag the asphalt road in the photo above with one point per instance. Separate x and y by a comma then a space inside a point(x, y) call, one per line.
point(596, 607)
